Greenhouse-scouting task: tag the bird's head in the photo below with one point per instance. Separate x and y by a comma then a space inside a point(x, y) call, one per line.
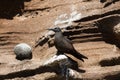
point(56, 29)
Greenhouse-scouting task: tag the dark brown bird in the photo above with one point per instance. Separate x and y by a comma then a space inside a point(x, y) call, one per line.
point(64, 45)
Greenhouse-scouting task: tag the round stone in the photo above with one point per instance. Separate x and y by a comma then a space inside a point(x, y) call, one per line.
point(23, 51)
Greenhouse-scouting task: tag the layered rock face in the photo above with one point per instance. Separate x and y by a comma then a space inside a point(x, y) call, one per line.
point(92, 25)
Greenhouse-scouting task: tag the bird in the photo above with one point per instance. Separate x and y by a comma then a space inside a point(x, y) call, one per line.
point(64, 45)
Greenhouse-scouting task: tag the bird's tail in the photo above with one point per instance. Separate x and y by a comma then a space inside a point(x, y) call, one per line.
point(79, 56)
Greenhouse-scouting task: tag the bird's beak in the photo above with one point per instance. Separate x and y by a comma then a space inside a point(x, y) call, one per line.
point(50, 29)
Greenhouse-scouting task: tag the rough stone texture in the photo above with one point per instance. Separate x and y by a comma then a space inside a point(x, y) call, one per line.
point(95, 33)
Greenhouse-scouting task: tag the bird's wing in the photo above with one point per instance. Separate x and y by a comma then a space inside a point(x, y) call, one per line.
point(68, 40)
point(63, 44)
point(72, 50)
point(67, 45)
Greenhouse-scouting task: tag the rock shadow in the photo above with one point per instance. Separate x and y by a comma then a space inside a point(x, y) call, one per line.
point(8, 8)
point(106, 27)
point(110, 62)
